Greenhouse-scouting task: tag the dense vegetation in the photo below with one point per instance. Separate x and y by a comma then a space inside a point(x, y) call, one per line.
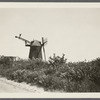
point(55, 75)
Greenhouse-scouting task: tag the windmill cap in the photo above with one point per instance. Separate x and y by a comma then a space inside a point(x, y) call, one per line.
point(36, 43)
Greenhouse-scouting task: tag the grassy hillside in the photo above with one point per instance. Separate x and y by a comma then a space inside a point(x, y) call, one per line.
point(55, 74)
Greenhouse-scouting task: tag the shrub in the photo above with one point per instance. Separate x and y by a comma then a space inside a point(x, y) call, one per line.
point(95, 71)
point(56, 60)
point(6, 61)
point(56, 74)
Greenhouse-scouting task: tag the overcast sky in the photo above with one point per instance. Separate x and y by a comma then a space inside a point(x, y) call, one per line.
point(72, 31)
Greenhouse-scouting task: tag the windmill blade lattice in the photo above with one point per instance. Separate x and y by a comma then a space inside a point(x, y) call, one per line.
point(43, 43)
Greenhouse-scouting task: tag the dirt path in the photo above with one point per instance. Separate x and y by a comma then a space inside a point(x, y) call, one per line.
point(8, 86)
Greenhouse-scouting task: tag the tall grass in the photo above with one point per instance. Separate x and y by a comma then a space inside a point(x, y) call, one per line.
point(55, 74)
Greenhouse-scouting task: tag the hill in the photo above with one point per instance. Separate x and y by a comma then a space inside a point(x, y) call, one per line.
point(56, 74)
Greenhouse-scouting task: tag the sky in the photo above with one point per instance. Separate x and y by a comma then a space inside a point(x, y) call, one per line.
point(74, 32)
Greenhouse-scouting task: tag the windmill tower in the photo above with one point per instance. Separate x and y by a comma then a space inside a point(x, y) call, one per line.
point(35, 47)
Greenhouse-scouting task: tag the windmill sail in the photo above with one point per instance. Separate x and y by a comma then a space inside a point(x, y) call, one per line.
point(43, 42)
point(19, 37)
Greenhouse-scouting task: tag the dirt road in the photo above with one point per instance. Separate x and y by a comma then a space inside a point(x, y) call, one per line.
point(8, 86)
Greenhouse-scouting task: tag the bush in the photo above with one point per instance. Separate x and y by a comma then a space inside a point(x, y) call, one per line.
point(6, 61)
point(95, 71)
point(56, 74)
point(56, 60)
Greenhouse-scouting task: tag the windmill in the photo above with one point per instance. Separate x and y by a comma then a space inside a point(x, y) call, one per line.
point(44, 41)
point(35, 47)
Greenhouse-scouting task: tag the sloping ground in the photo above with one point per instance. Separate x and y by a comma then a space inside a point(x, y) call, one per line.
point(8, 86)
